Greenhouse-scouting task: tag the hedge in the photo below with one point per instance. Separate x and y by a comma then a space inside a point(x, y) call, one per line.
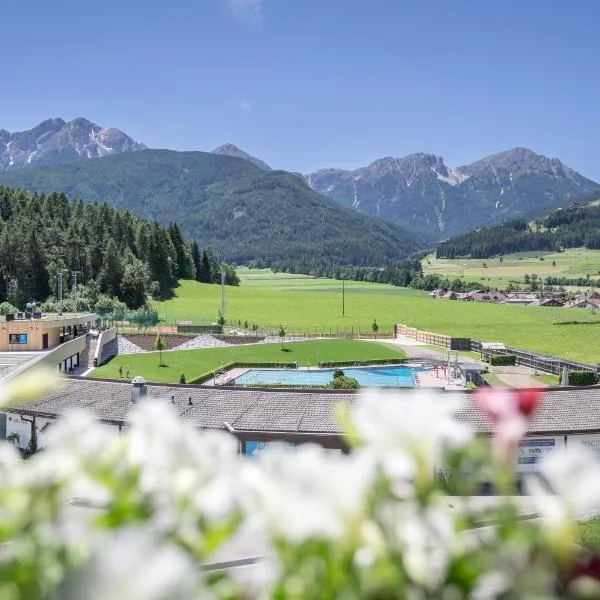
point(583, 378)
point(362, 363)
point(503, 359)
point(240, 365)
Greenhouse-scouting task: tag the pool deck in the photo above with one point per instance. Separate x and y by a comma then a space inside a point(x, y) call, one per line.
point(430, 379)
point(223, 378)
point(422, 379)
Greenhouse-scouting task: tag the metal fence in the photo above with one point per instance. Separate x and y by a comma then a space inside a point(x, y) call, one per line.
point(539, 362)
point(193, 330)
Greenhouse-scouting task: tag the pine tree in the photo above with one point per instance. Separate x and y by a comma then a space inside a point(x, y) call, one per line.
point(111, 273)
point(38, 286)
point(135, 281)
point(160, 262)
point(197, 258)
point(182, 253)
point(160, 346)
point(205, 275)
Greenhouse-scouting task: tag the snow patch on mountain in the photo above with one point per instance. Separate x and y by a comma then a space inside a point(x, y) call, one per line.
point(56, 141)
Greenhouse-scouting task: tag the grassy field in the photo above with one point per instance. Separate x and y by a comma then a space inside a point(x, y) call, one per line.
point(298, 302)
point(547, 378)
point(303, 304)
point(573, 262)
point(196, 363)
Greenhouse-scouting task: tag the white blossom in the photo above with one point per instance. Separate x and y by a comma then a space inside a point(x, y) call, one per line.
point(408, 432)
point(135, 565)
point(573, 485)
point(308, 492)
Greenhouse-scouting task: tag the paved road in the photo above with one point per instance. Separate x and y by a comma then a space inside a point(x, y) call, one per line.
point(516, 376)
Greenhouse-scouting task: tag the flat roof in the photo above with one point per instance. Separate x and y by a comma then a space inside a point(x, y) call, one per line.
point(56, 320)
point(562, 410)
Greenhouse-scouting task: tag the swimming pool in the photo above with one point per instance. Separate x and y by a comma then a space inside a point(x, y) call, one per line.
point(396, 376)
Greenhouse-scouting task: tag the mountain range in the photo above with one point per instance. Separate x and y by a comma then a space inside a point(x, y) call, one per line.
point(56, 141)
point(418, 196)
point(422, 193)
point(242, 211)
point(232, 150)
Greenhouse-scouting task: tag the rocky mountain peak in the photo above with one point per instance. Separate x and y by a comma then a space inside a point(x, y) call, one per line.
point(420, 191)
point(56, 141)
point(232, 150)
point(520, 160)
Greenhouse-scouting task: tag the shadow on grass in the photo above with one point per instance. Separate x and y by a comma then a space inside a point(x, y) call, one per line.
point(286, 349)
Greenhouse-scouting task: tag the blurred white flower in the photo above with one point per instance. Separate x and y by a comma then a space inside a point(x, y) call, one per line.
point(573, 484)
point(189, 477)
point(307, 492)
point(425, 535)
point(78, 445)
point(408, 432)
point(10, 460)
point(134, 565)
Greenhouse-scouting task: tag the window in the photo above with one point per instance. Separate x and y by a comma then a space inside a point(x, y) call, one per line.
point(17, 338)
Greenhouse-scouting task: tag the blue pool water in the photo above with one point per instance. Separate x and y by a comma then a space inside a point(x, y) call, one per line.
point(366, 376)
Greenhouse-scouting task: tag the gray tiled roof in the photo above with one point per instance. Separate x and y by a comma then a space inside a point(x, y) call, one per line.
point(562, 410)
point(244, 409)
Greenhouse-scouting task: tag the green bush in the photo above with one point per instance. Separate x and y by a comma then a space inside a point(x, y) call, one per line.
point(343, 383)
point(7, 307)
point(583, 378)
point(503, 360)
point(182, 378)
point(338, 373)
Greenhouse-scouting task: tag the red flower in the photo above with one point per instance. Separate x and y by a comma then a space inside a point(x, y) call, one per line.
point(528, 400)
point(500, 405)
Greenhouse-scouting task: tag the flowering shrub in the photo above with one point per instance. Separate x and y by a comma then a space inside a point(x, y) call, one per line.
point(161, 499)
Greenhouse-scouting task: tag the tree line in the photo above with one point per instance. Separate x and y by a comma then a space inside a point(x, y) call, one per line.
point(404, 273)
point(118, 260)
point(573, 227)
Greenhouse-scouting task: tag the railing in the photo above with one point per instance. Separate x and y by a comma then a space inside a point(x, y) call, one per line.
point(52, 358)
point(193, 330)
point(539, 362)
point(104, 339)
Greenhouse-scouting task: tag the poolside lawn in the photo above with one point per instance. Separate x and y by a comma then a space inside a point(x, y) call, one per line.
point(197, 363)
point(547, 378)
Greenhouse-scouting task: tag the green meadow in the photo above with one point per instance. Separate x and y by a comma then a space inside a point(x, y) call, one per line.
point(573, 262)
point(298, 302)
point(197, 363)
point(304, 304)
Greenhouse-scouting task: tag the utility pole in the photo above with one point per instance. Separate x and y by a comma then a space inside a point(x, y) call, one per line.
point(74, 279)
point(59, 274)
point(222, 293)
point(343, 298)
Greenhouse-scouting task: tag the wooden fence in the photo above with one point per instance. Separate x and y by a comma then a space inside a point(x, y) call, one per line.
point(435, 339)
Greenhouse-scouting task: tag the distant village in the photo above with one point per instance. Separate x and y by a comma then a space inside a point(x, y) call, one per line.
point(584, 300)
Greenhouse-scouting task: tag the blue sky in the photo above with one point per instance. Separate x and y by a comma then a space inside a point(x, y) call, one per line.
point(305, 84)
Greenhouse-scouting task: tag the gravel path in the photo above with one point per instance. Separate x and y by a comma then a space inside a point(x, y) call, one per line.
point(275, 339)
point(127, 347)
point(202, 341)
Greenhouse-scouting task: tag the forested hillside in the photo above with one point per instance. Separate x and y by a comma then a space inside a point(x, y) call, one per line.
point(229, 204)
point(118, 258)
point(577, 226)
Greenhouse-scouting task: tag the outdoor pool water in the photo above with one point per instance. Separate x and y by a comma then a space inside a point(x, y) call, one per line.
point(366, 376)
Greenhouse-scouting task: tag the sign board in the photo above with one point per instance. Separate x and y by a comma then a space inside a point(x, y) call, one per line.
point(590, 442)
point(531, 450)
point(253, 448)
